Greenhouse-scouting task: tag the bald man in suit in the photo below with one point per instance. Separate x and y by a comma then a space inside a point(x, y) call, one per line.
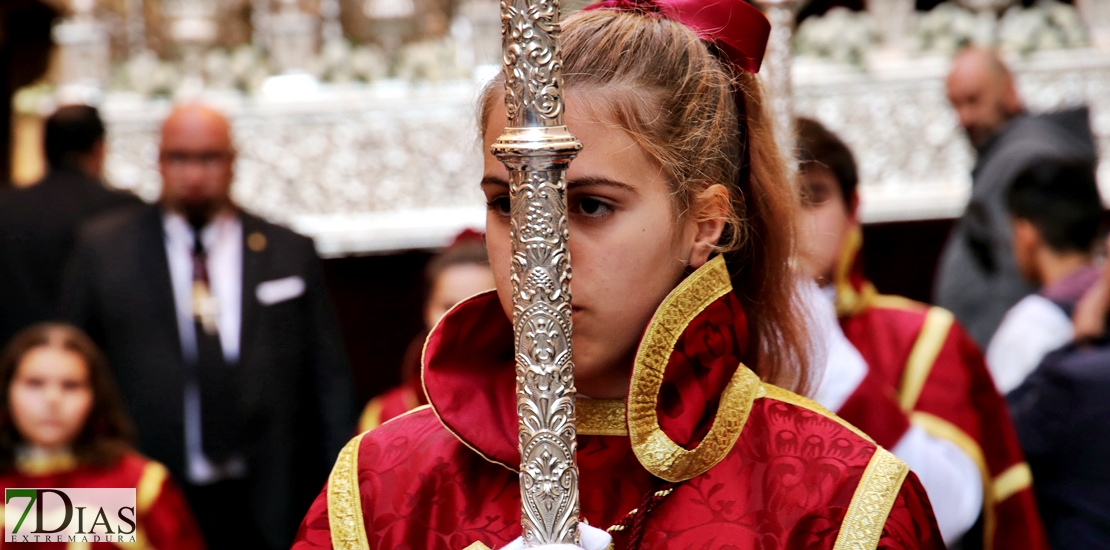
point(223, 338)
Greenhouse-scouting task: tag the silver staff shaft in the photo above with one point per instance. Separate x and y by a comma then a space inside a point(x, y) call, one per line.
point(536, 147)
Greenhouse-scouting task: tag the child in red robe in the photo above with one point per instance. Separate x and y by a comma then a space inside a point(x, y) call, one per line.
point(926, 390)
point(686, 330)
point(457, 273)
point(63, 426)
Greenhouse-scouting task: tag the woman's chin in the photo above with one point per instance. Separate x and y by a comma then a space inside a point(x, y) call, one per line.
point(599, 382)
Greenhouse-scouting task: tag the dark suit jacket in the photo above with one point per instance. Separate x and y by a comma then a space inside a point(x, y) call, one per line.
point(978, 279)
point(296, 383)
point(1062, 416)
point(37, 229)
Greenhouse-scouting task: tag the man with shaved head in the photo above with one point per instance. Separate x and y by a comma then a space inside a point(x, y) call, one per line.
point(978, 278)
point(223, 339)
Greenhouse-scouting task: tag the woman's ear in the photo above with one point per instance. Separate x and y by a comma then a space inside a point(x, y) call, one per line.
point(709, 213)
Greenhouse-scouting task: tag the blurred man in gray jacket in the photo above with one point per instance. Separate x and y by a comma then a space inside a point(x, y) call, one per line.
point(978, 279)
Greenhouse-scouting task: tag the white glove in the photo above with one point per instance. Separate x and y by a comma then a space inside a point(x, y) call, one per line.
point(841, 366)
point(591, 538)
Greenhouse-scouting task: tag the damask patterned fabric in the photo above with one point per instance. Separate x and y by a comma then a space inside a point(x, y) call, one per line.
point(754, 466)
point(926, 370)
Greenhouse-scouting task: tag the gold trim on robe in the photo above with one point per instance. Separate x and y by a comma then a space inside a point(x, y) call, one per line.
point(150, 486)
point(345, 502)
point(934, 332)
point(848, 301)
point(1014, 480)
point(600, 417)
point(874, 497)
point(657, 452)
point(45, 464)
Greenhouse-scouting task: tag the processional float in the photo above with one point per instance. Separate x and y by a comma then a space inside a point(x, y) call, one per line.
point(536, 147)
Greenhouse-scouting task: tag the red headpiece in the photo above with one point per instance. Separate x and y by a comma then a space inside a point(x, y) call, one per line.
point(738, 29)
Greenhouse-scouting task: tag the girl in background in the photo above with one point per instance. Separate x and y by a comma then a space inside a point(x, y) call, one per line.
point(63, 425)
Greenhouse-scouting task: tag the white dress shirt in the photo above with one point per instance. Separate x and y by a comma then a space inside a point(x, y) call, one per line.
point(223, 243)
point(1031, 329)
point(950, 476)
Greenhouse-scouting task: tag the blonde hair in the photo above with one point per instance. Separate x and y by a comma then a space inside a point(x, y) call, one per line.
point(657, 81)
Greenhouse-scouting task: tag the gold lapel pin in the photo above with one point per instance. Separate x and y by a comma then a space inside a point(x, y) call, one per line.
point(256, 241)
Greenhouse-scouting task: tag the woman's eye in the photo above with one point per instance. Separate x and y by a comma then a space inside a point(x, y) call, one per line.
point(72, 386)
point(815, 195)
point(590, 206)
point(500, 205)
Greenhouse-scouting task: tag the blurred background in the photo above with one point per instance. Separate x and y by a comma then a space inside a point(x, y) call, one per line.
point(354, 119)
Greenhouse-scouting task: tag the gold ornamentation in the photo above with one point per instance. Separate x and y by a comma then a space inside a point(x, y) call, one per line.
point(32, 464)
point(620, 525)
point(256, 242)
point(1014, 480)
point(348, 532)
point(941, 428)
point(888, 301)
point(477, 546)
point(150, 486)
point(848, 301)
point(601, 417)
point(656, 451)
point(205, 307)
point(778, 394)
point(875, 495)
point(934, 332)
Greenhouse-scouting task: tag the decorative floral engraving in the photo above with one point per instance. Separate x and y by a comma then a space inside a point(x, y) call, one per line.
point(530, 31)
point(545, 371)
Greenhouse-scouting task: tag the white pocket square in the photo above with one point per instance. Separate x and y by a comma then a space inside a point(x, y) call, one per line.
point(279, 290)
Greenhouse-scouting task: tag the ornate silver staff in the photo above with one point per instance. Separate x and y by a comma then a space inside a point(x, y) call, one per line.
point(536, 148)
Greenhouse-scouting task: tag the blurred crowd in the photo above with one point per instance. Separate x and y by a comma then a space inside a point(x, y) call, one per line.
point(191, 346)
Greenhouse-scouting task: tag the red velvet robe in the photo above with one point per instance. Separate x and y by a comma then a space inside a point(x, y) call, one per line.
point(750, 465)
point(925, 370)
point(164, 521)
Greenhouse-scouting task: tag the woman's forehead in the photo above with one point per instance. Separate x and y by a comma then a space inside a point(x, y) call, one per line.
point(609, 152)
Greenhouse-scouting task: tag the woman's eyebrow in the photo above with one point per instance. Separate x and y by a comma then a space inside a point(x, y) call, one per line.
point(494, 180)
point(589, 181)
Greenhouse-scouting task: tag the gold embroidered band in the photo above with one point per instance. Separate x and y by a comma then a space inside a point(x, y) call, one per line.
point(150, 486)
point(601, 417)
point(866, 517)
point(348, 532)
point(934, 332)
point(1014, 480)
point(655, 450)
